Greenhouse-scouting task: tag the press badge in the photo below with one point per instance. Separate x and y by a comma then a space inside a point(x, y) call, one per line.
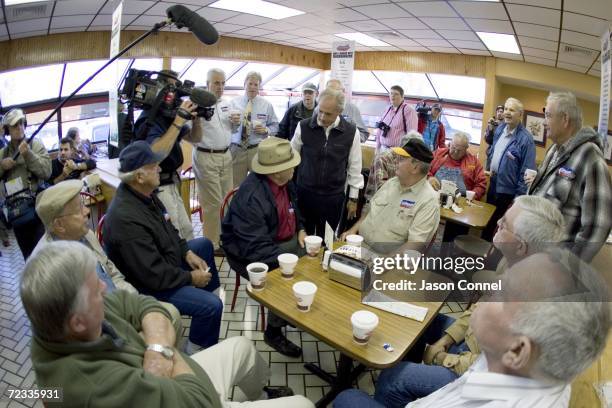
point(566, 173)
point(13, 186)
point(407, 203)
point(262, 116)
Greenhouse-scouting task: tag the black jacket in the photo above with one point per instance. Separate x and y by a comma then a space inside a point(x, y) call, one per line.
point(57, 168)
point(142, 243)
point(249, 228)
point(293, 116)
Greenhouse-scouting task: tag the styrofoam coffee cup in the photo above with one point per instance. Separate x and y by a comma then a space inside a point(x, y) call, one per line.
point(313, 244)
point(530, 173)
point(287, 264)
point(257, 123)
point(354, 240)
point(364, 322)
point(304, 293)
point(258, 272)
point(470, 195)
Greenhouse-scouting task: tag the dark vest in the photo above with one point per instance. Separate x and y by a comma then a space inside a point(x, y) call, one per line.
point(324, 161)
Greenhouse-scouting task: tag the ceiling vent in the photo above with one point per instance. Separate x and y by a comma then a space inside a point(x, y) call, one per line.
point(578, 51)
point(385, 34)
point(27, 12)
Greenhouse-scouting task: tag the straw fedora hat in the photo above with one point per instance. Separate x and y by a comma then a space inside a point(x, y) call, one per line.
point(273, 155)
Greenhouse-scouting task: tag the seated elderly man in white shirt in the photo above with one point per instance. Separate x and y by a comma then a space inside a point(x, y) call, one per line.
point(536, 335)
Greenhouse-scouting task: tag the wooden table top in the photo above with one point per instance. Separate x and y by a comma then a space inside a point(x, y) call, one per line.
point(474, 216)
point(330, 314)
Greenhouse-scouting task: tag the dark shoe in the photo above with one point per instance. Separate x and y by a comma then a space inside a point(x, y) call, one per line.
point(282, 345)
point(278, 392)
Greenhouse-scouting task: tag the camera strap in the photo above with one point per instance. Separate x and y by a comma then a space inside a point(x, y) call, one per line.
point(403, 106)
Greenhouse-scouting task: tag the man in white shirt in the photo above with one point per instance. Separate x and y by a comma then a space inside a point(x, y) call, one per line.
point(549, 323)
point(331, 158)
point(350, 111)
point(255, 122)
point(212, 160)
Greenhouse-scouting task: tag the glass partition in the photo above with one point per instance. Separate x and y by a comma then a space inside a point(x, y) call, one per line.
point(30, 84)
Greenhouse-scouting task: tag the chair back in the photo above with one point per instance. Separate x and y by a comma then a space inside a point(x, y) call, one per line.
point(99, 230)
point(226, 201)
point(96, 208)
point(194, 197)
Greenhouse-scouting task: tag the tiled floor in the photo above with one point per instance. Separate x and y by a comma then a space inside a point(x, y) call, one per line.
point(16, 367)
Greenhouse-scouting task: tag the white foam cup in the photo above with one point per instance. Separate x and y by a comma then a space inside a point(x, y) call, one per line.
point(364, 322)
point(258, 272)
point(470, 195)
point(287, 264)
point(304, 293)
point(354, 240)
point(313, 244)
point(530, 173)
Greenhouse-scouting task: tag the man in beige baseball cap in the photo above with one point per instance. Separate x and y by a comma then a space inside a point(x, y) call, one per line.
point(263, 221)
point(65, 217)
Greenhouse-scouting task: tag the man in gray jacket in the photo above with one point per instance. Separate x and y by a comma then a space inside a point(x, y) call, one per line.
point(574, 176)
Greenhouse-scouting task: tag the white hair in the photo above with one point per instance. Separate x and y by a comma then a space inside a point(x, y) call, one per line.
point(570, 333)
point(213, 71)
point(128, 177)
point(332, 93)
point(53, 286)
point(566, 103)
point(253, 75)
point(516, 102)
point(464, 137)
point(539, 223)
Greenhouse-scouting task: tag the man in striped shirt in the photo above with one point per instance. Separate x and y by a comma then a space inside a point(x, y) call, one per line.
point(396, 121)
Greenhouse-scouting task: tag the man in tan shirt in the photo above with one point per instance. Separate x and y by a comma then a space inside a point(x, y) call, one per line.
point(405, 213)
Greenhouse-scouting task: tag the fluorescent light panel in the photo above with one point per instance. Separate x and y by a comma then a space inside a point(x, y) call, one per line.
point(363, 39)
point(499, 42)
point(258, 8)
point(16, 2)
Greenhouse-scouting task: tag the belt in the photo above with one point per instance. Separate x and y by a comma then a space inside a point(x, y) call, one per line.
point(207, 150)
point(253, 146)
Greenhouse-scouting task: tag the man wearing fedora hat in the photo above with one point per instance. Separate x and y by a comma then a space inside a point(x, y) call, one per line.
point(143, 243)
point(405, 213)
point(263, 221)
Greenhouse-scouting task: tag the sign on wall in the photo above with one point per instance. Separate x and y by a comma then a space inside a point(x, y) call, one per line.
point(342, 63)
point(113, 139)
point(604, 102)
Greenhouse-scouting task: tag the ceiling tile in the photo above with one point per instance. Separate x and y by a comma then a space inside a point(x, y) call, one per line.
point(491, 26)
point(278, 26)
point(445, 50)
point(366, 26)
point(332, 28)
point(71, 21)
point(429, 9)
point(325, 39)
point(556, 4)
point(536, 15)
point(312, 6)
point(102, 20)
point(535, 52)
point(537, 31)
point(542, 61)
point(507, 55)
point(420, 33)
point(351, 3)
point(582, 40)
point(145, 20)
point(404, 23)
point(474, 52)
point(362, 48)
point(473, 45)
point(254, 31)
point(280, 36)
point(577, 58)
point(28, 34)
point(37, 24)
point(214, 14)
point(595, 73)
point(74, 7)
point(3, 31)
point(302, 41)
point(475, 9)
point(445, 23)
point(66, 30)
point(305, 32)
point(228, 28)
point(393, 49)
point(247, 20)
point(458, 35)
point(430, 42)
point(159, 9)
point(382, 11)
point(346, 14)
point(129, 7)
point(414, 49)
point(572, 67)
point(538, 43)
point(305, 20)
point(584, 24)
point(595, 8)
point(401, 42)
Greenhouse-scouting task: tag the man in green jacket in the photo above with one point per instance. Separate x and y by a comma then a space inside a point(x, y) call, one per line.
point(87, 344)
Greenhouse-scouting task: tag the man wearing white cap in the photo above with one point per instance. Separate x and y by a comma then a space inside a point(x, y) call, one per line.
point(299, 111)
point(23, 168)
point(263, 221)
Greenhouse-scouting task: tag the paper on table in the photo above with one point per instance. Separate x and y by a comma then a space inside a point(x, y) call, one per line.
point(329, 237)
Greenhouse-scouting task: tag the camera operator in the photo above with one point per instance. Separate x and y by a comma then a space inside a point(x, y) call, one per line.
point(165, 135)
point(493, 123)
point(430, 125)
point(398, 119)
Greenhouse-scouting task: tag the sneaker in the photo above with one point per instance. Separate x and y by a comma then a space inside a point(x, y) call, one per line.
point(278, 392)
point(282, 345)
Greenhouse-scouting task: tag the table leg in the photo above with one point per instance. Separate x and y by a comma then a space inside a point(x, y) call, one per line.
point(345, 376)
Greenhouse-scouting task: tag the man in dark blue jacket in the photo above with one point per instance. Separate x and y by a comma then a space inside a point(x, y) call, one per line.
point(299, 111)
point(511, 153)
point(263, 221)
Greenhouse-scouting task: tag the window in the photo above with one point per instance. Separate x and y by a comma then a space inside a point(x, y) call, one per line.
point(197, 72)
point(459, 88)
point(468, 121)
point(290, 77)
point(266, 71)
point(148, 64)
point(77, 72)
point(414, 84)
point(30, 84)
point(365, 82)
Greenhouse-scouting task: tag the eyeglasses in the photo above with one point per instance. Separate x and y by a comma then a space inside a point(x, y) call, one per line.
point(501, 224)
point(458, 148)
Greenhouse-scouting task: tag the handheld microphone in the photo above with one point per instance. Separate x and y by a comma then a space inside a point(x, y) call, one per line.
point(202, 29)
point(202, 98)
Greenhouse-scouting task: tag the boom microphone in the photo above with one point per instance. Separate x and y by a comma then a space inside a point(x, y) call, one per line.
point(202, 29)
point(202, 98)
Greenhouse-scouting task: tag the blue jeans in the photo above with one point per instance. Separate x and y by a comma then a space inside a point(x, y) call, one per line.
point(355, 399)
point(204, 307)
point(408, 381)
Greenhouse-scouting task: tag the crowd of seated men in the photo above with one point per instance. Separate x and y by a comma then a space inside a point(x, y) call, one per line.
point(106, 318)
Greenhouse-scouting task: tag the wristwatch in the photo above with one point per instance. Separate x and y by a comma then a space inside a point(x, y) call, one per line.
point(167, 352)
point(353, 200)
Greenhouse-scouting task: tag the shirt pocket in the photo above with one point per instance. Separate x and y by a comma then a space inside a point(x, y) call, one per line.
point(559, 191)
point(402, 222)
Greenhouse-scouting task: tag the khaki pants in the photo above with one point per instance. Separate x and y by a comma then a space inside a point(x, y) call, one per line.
point(241, 159)
point(236, 362)
point(170, 196)
point(213, 174)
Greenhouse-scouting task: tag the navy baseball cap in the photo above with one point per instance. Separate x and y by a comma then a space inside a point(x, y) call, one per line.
point(136, 155)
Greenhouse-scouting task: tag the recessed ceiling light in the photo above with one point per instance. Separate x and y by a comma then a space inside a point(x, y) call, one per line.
point(258, 8)
point(16, 2)
point(363, 39)
point(499, 42)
